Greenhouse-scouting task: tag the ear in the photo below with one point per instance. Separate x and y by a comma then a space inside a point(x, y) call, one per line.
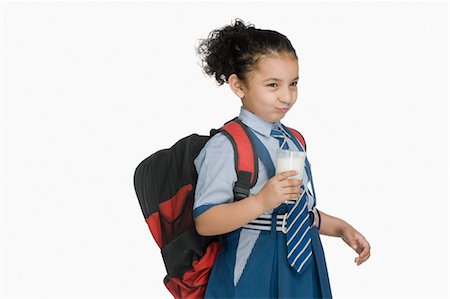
point(236, 85)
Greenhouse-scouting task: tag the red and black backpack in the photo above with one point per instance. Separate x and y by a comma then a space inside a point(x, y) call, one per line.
point(165, 184)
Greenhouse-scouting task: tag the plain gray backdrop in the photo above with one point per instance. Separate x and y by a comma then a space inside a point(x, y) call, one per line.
point(90, 89)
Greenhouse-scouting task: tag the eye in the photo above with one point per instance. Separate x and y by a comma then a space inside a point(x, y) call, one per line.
point(295, 83)
point(272, 84)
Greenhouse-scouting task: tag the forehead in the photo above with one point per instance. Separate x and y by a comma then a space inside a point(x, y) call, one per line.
point(282, 67)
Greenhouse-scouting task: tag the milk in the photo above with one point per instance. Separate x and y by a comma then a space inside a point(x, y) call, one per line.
point(290, 160)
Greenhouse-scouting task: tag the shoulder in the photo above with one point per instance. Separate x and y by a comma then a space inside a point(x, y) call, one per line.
point(220, 142)
point(219, 139)
point(218, 147)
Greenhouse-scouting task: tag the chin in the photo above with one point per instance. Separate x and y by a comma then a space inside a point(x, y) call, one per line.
point(276, 120)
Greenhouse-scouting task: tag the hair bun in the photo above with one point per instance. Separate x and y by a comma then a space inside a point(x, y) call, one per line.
point(235, 49)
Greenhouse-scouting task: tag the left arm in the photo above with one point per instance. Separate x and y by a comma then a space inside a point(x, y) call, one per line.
point(335, 227)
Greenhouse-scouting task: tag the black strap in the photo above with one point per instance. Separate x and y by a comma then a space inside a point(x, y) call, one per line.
point(241, 189)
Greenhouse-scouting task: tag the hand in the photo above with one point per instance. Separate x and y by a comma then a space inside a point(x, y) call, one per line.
point(356, 240)
point(279, 189)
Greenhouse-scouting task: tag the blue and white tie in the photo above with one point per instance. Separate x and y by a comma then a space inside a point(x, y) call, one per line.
point(279, 135)
point(298, 239)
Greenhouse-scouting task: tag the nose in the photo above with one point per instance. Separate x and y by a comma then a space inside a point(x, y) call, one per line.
point(287, 96)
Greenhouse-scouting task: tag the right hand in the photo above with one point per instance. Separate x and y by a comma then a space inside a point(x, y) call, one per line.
point(279, 189)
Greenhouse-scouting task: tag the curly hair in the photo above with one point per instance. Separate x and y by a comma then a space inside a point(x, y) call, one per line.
point(237, 49)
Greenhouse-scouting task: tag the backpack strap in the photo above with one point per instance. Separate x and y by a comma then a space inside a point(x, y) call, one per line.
point(296, 137)
point(245, 157)
point(264, 155)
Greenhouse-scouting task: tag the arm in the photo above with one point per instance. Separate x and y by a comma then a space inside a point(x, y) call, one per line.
point(224, 218)
point(331, 226)
point(335, 227)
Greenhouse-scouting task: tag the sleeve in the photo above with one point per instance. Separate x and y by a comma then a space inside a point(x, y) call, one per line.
point(216, 174)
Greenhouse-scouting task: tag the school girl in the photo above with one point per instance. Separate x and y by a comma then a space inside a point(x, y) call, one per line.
point(261, 68)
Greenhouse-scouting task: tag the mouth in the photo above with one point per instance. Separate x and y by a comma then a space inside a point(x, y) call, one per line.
point(283, 110)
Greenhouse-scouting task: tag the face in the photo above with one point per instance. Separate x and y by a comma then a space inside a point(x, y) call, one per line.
point(271, 89)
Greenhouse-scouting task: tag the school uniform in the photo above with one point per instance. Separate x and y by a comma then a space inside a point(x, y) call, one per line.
point(254, 263)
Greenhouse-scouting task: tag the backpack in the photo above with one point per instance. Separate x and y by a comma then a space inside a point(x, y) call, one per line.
point(165, 183)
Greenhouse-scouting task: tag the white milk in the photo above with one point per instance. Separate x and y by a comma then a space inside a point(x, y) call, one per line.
point(290, 160)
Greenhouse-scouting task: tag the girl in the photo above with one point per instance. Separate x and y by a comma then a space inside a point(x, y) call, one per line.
point(261, 68)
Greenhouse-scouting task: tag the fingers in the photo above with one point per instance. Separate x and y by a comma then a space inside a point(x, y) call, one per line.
point(284, 175)
point(363, 250)
point(291, 182)
point(289, 196)
point(292, 192)
point(364, 255)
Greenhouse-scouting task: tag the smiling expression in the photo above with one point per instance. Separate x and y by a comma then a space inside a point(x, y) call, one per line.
point(271, 89)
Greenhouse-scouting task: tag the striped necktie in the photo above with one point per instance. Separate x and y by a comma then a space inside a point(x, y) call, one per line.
point(279, 135)
point(298, 239)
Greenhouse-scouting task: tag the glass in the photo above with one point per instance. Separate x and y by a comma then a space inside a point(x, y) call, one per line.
point(290, 160)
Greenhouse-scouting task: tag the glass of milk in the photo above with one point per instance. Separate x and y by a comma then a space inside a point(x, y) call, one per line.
point(290, 160)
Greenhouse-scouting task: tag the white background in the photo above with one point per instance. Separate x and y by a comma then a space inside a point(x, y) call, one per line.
point(88, 86)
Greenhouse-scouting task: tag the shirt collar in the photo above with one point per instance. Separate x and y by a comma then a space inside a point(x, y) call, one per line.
point(257, 123)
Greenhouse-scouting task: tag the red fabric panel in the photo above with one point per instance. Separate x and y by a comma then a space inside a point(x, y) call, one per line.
point(243, 146)
point(155, 227)
point(200, 269)
point(174, 285)
point(196, 278)
point(299, 137)
point(171, 209)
